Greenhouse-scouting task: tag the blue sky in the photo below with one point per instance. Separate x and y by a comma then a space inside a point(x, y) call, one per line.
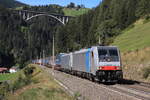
point(87, 3)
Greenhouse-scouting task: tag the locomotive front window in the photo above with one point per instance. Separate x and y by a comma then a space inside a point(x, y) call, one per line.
point(103, 54)
point(113, 53)
point(108, 55)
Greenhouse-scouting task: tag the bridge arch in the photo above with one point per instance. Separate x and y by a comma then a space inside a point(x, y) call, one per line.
point(45, 15)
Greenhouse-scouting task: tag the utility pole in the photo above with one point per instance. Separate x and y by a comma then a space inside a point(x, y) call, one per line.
point(40, 59)
point(99, 40)
point(43, 57)
point(53, 51)
point(43, 53)
point(37, 59)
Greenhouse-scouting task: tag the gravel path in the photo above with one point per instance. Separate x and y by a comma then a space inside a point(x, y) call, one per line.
point(86, 89)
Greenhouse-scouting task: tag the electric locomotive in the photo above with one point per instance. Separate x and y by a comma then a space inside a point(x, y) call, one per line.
point(109, 64)
point(98, 62)
point(58, 61)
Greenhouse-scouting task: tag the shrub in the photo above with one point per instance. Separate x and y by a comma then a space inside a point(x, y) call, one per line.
point(147, 19)
point(77, 95)
point(28, 71)
point(4, 88)
point(146, 72)
point(7, 87)
point(20, 82)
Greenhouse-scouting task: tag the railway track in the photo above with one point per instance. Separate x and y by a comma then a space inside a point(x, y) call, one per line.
point(145, 84)
point(133, 89)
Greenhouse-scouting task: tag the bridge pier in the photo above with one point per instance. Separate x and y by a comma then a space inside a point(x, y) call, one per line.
point(24, 16)
point(63, 20)
point(67, 19)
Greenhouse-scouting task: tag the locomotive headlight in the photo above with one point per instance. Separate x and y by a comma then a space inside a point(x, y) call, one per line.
point(118, 67)
point(99, 68)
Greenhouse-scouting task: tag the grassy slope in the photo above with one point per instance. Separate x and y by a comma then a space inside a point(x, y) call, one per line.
point(42, 87)
point(74, 12)
point(136, 64)
point(134, 38)
point(134, 43)
point(4, 77)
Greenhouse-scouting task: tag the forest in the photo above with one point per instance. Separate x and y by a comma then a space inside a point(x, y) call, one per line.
point(106, 21)
point(22, 41)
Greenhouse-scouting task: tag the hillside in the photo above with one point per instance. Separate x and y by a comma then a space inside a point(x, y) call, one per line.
point(134, 43)
point(11, 3)
point(15, 49)
point(75, 12)
point(106, 21)
point(137, 36)
point(32, 83)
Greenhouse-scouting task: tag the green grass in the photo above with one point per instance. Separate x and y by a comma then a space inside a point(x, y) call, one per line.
point(19, 8)
point(8, 76)
point(42, 86)
point(133, 38)
point(74, 12)
point(134, 43)
point(43, 94)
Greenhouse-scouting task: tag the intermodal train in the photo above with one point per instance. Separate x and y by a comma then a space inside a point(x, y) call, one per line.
point(43, 61)
point(101, 63)
point(98, 62)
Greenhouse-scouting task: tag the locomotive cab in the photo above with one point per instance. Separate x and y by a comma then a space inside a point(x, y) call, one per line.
point(109, 64)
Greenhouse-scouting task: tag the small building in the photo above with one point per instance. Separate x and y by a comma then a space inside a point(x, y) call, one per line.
point(12, 70)
point(3, 70)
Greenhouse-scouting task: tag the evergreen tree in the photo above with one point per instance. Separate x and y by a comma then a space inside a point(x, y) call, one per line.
point(143, 8)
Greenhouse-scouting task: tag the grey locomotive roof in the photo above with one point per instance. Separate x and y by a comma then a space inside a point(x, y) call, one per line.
point(108, 47)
